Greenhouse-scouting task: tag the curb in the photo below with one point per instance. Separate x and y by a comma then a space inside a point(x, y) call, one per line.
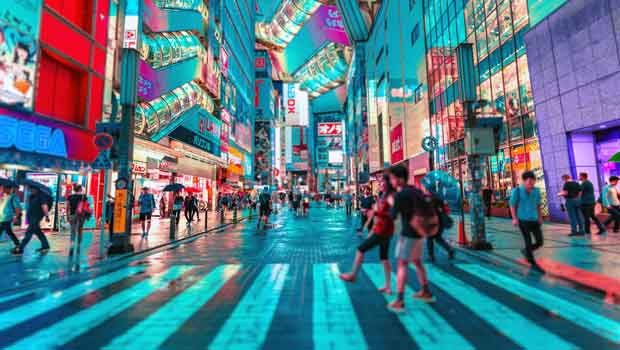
point(121, 258)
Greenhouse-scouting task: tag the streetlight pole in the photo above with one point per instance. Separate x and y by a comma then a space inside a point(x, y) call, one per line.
point(129, 96)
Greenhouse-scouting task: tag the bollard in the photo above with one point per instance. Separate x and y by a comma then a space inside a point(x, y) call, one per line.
point(206, 219)
point(173, 226)
point(222, 216)
point(235, 215)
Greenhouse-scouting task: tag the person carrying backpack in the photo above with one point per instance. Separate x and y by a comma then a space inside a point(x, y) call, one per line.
point(78, 212)
point(526, 209)
point(264, 200)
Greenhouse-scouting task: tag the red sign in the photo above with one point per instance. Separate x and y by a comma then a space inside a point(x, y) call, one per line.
point(396, 140)
point(330, 129)
point(226, 118)
point(260, 63)
point(138, 168)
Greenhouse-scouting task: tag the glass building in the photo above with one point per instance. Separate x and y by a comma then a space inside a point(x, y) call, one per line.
point(496, 29)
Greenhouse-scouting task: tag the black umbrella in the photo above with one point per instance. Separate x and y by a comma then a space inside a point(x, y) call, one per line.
point(7, 183)
point(173, 188)
point(39, 186)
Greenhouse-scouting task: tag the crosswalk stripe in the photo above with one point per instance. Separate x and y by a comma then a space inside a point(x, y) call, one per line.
point(425, 326)
point(247, 326)
point(510, 323)
point(334, 322)
point(579, 315)
point(73, 326)
point(10, 297)
point(38, 307)
point(153, 331)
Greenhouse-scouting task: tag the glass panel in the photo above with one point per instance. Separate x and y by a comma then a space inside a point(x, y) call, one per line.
point(505, 23)
point(519, 13)
point(525, 87)
point(498, 92)
point(492, 31)
point(481, 43)
point(470, 23)
point(529, 127)
point(511, 84)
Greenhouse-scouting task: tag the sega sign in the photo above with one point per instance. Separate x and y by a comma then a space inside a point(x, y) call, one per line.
point(30, 137)
point(330, 129)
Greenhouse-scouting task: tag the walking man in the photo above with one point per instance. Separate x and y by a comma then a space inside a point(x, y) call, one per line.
point(525, 206)
point(612, 203)
point(147, 205)
point(366, 203)
point(418, 220)
point(39, 205)
point(348, 202)
point(9, 211)
point(264, 200)
point(572, 193)
point(76, 215)
point(587, 205)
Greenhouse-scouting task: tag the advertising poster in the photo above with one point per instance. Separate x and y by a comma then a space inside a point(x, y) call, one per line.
point(243, 135)
point(224, 61)
point(262, 151)
point(396, 140)
point(295, 105)
point(19, 33)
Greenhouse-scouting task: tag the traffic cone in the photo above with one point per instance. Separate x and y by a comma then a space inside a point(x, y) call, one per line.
point(462, 236)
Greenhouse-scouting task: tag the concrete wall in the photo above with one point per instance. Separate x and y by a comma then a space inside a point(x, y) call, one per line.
point(574, 62)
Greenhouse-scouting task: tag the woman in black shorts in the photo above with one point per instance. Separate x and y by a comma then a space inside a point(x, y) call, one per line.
point(381, 234)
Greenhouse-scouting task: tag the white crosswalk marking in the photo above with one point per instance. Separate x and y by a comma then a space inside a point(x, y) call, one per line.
point(579, 315)
point(247, 326)
point(153, 331)
point(510, 323)
point(38, 307)
point(429, 330)
point(334, 322)
point(73, 326)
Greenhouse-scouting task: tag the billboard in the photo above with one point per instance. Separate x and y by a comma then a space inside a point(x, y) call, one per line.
point(262, 151)
point(396, 141)
point(295, 105)
point(330, 129)
point(19, 33)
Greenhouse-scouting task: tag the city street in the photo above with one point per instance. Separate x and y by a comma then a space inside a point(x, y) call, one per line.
point(243, 288)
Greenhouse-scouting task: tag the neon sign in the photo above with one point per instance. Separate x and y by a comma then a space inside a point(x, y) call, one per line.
point(31, 137)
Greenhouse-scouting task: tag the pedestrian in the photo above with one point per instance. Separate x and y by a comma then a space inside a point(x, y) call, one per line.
point(571, 191)
point(348, 202)
point(296, 203)
point(612, 203)
point(587, 205)
point(366, 203)
point(445, 222)
point(487, 198)
point(39, 205)
point(162, 206)
point(78, 212)
point(146, 201)
point(195, 207)
point(264, 201)
point(10, 208)
point(110, 216)
point(177, 205)
point(418, 221)
point(380, 236)
point(526, 209)
point(189, 209)
point(305, 203)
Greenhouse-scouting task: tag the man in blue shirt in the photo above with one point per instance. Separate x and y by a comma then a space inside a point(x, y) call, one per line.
point(147, 205)
point(525, 207)
point(9, 210)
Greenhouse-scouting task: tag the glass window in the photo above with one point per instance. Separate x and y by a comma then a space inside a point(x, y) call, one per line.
point(529, 127)
point(525, 87)
point(485, 90)
point(481, 42)
point(492, 31)
point(460, 27)
point(516, 129)
point(508, 51)
point(470, 23)
point(511, 84)
point(519, 13)
point(497, 84)
point(505, 24)
point(489, 5)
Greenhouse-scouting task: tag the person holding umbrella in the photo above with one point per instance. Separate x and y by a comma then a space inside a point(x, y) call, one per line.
point(39, 203)
point(177, 203)
point(9, 209)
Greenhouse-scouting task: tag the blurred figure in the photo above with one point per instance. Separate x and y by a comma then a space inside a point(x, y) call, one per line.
point(348, 202)
point(10, 208)
point(146, 201)
point(525, 206)
point(39, 205)
point(611, 201)
point(264, 200)
point(587, 205)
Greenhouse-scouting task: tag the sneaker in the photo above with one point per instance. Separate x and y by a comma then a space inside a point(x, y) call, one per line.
point(535, 267)
point(17, 251)
point(573, 234)
point(348, 277)
point(43, 250)
point(386, 290)
point(424, 296)
point(397, 306)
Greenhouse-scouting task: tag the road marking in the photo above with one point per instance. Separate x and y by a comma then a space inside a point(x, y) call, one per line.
point(425, 326)
point(334, 322)
point(77, 324)
point(247, 326)
point(38, 307)
point(577, 314)
point(510, 323)
point(10, 297)
point(153, 331)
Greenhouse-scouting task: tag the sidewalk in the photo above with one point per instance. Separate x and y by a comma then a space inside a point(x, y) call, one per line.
point(33, 266)
point(596, 256)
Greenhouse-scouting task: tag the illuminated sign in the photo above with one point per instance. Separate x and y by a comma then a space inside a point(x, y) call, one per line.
point(260, 63)
point(396, 141)
point(225, 116)
point(295, 105)
point(31, 137)
point(330, 129)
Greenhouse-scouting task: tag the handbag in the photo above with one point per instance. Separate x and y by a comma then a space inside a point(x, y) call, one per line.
point(83, 209)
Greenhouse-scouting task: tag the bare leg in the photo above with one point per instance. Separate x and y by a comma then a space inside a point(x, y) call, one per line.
point(401, 276)
point(421, 272)
point(387, 269)
point(357, 263)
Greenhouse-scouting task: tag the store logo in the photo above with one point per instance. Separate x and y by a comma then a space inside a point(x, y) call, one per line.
point(290, 104)
point(30, 137)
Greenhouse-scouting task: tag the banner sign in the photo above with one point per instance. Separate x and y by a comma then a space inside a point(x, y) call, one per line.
point(243, 135)
point(396, 141)
point(187, 136)
point(330, 129)
point(235, 161)
point(224, 61)
point(262, 151)
point(211, 73)
point(295, 105)
point(203, 124)
point(19, 33)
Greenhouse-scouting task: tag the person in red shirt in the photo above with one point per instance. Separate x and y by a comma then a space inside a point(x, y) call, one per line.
point(381, 234)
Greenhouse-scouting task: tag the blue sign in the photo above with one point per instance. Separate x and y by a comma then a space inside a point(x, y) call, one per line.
point(31, 137)
point(204, 124)
point(189, 137)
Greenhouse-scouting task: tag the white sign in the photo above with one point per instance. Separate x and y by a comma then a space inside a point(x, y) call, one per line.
point(335, 157)
point(295, 105)
point(130, 32)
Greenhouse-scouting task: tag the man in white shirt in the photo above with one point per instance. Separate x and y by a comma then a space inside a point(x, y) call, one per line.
point(612, 202)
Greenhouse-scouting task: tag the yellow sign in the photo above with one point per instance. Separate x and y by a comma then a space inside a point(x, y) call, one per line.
point(120, 213)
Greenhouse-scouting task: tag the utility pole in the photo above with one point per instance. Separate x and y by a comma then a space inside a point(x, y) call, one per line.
point(474, 137)
point(129, 96)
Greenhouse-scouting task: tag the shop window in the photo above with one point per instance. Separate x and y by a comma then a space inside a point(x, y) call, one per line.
point(511, 85)
point(470, 23)
point(492, 31)
point(497, 84)
point(481, 42)
point(79, 13)
point(516, 129)
point(529, 126)
point(520, 14)
point(525, 87)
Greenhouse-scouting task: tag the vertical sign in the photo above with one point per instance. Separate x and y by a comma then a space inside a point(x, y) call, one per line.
point(131, 27)
point(396, 141)
point(120, 214)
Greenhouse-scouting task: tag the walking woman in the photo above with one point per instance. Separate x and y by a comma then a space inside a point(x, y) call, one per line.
point(380, 235)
